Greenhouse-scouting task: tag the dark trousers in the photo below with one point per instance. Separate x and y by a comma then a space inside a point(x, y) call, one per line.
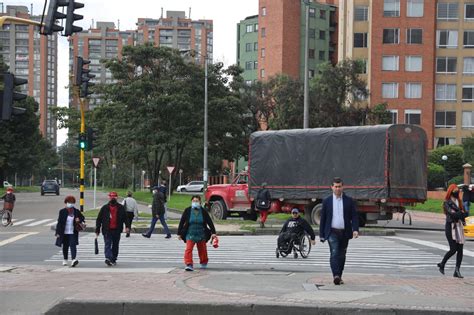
point(453, 248)
point(285, 239)
point(69, 242)
point(163, 223)
point(111, 241)
point(338, 243)
point(130, 216)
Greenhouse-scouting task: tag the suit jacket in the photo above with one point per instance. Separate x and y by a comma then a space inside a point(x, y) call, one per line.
point(351, 219)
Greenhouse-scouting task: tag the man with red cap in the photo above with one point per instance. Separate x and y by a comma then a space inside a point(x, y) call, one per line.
point(111, 218)
point(9, 202)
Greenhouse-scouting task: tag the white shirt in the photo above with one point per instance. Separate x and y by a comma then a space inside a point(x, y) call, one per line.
point(69, 229)
point(337, 213)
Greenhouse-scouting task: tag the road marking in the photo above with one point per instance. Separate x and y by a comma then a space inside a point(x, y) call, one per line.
point(23, 222)
point(116, 270)
point(16, 238)
point(52, 223)
point(431, 244)
point(39, 222)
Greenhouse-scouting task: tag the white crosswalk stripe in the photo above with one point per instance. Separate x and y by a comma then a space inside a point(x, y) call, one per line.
point(366, 252)
point(17, 223)
point(39, 222)
point(33, 222)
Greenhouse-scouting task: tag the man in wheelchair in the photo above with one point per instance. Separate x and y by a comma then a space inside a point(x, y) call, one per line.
point(292, 232)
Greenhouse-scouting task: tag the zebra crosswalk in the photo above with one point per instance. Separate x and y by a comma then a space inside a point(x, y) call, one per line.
point(259, 251)
point(34, 222)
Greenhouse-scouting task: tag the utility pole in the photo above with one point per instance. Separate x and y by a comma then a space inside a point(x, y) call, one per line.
point(306, 88)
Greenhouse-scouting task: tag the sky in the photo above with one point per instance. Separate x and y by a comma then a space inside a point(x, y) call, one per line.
point(224, 13)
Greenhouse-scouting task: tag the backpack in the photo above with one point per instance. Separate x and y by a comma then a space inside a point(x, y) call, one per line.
point(263, 202)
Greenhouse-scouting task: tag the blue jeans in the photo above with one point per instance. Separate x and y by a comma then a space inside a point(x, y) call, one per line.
point(69, 242)
point(338, 247)
point(111, 247)
point(163, 223)
point(467, 206)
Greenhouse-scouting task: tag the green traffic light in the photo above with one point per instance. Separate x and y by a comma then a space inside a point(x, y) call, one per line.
point(82, 145)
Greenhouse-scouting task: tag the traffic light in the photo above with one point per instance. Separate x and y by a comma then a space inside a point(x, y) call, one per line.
point(91, 137)
point(71, 18)
point(53, 14)
point(9, 95)
point(82, 76)
point(82, 141)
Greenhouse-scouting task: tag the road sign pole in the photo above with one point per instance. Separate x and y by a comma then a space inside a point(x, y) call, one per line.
point(95, 184)
point(169, 189)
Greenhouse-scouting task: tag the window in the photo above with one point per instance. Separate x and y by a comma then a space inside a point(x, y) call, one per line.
point(322, 14)
point(255, 46)
point(255, 27)
point(312, 12)
point(448, 11)
point(413, 116)
point(468, 65)
point(413, 63)
point(312, 33)
point(322, 55)
point(446, 92)
point(262, 73)
point(415, 8)
point(390, 63)
point(363, 66)
point(469, 11)
point(248, 47)
point(446, 39)
point(322, 34)
point(311, 53)
point(311, 73)
point(390, 90)
point(468, 93)
point(391, 8)
point(361, 13)
point(255, 65)
point(263, 32)
point(445, 119)
point(262, 52)
point(248, 65)
point(441, 142)
point(249, 28)
point(360, 40)
point(248, 82)
point(264, 11)
point(467, 119)
point(391, 36)
point(412, 90)
point(468, 39)
point(446, 64)
point(414, 36)
point(394, 115)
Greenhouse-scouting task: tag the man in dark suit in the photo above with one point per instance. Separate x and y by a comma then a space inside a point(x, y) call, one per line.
point(339, 223)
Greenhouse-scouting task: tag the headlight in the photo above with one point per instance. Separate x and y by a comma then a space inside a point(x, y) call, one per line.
point(470, 220)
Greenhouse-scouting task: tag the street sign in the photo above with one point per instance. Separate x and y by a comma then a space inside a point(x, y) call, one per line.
point(95, 160)
point(170, 169)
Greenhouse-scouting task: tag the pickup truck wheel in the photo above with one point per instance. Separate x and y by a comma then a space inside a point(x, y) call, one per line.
point(314, 216)
point(218, 210)
point(183, 189)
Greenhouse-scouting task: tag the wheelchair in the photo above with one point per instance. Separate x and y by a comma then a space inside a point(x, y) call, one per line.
point(300, 243)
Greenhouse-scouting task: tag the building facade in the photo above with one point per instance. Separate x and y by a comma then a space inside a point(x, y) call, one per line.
point(105, 41)
point(32, 56)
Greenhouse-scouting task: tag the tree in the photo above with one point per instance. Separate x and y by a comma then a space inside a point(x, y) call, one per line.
point(468, 146)
point(453, 165)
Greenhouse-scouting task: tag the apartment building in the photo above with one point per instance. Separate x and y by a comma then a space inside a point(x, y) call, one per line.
point(105, 41)
point(32, 56)
point(273, 41)
point(418, 60)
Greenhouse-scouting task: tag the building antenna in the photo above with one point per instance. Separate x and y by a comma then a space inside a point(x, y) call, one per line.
point(161, 12)
point(189, 17)
point(118, 24)
point(92, 24)
point(31, 12)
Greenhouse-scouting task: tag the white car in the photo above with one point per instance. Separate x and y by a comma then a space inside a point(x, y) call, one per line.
point(196, 186)
point(6, 184)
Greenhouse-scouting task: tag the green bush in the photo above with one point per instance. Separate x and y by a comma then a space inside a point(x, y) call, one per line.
point(453, 164)
point(456, 180)
point(435, 176)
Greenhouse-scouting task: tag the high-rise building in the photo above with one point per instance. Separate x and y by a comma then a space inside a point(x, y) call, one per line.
point(273, 42)
point(32, 56)
point(105, 41)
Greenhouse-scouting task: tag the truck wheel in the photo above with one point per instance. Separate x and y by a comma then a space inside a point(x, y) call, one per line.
point(313, 216)
point(362, 220)
point(218, 210)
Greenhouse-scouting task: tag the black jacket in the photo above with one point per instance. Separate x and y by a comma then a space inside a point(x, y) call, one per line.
point(61, 225)
point(453, 212)
point(263, 199)
point(298, 226)
point(209, 228)
point(158, 206)
point(103, 219)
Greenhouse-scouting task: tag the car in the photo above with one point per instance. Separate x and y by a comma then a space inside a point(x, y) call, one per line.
point(50, 186)
point(191, 186)
point(469, 227)
point(6, 184)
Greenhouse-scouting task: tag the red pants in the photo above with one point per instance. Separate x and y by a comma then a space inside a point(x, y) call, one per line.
point(202, 251)
point(263, 216)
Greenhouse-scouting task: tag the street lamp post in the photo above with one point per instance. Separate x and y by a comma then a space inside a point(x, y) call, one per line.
point(306, 88)
point(444, 158)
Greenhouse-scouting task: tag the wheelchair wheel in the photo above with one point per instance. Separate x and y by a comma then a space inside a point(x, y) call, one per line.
point(295, 255)
point(277, 253)
point(305, 246)
point(6, 217)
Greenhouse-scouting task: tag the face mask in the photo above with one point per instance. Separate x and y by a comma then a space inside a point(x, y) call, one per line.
point(113, 201)
point(9, 192)
point(455, 194)
point(69, 205)
point(195, 204)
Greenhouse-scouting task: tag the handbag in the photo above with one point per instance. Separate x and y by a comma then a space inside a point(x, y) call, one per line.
point(80, 226)
point(96, 247)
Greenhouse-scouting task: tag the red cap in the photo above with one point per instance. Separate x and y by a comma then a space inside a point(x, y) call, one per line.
point(113, 194)
point(9, 189)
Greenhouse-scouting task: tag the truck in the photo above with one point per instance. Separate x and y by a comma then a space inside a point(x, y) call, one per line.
point(383, 168)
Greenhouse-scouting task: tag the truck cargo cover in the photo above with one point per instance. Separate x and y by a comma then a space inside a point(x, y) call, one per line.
point(375, 162)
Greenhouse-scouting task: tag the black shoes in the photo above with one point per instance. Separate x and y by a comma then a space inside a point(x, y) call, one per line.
point(262, 225)
point(457, 273)
point(441, 268)
point(145, 235)
point(168, 236)
point(127, 235)
point(337, 280)
point(108, 262)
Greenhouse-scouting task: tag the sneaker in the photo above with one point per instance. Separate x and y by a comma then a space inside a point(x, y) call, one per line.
point(203, 266)
point(342, 282)
point(262, 225)
point(168, 236)
point(114, 263)
point(145, 235)
point(108, 262)
point(337, 280)
point(127, 235)
point(75, 262)
point(65, 262)
point(189, 268)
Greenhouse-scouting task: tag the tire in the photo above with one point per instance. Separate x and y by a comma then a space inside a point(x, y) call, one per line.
point(277, 253)
point(305, 246)
point(219, 210)
point(42, 193)
point(6, 217)
point(57, 193)
point(314, 215)
point(183, 190)
point(295, 255)
point(252, 216)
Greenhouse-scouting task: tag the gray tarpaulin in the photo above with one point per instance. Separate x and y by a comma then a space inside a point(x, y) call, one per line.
point(384, 161)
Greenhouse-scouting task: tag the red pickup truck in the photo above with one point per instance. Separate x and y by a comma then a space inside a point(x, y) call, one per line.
point(384, 168)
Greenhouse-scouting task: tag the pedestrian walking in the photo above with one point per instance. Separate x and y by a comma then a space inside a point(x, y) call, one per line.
point(164, 189)
point(158, 213)
point(339, 223)
point(67, 230)
point(131, 208)
point(9, 199)
point(467, 195)
point(263, 203)
point(455, 218)
point(196, 228)
point(111, 219)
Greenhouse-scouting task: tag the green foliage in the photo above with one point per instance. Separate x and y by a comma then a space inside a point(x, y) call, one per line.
point(468, 146)
point(456, 180)
point(430, 205)
point(436, 176)
point(453, 164)
point(287, 95)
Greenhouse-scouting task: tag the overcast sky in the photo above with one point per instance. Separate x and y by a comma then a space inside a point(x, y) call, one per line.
point(225, 14)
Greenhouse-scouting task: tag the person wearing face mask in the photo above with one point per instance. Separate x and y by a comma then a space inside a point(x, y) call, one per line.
point(9, 203)
point(158, 213)
point(196, 228)
point(455, 217)
point(111, 219)
point(66, 233)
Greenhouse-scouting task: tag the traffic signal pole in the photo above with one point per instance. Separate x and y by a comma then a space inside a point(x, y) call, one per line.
point(82, 149)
